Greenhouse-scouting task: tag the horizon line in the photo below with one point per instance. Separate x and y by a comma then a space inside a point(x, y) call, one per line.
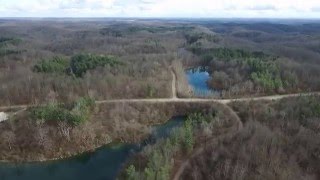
point(216, 18)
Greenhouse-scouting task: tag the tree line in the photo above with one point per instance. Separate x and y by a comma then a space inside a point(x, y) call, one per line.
point(78, 65)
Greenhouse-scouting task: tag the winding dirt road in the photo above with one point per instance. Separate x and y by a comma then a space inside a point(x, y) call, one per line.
point(174, 98)
point(222, 101)
point(237, 126)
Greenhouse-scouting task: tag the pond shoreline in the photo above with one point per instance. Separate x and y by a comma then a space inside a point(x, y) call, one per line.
point(58, 158)
point(110, 157)
point(198, 78)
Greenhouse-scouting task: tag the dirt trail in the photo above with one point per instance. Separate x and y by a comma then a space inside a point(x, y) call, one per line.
point(175, 98)
point(238, 126)
point(167, 100)
point(222, 101)
point(174, 88)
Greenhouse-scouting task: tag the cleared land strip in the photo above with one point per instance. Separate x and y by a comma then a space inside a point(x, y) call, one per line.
point(174, 98)
point(167, 100)
point(223, 101)
point(173, 84)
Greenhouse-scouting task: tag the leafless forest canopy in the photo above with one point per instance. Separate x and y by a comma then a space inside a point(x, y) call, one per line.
point(279, 140)
point(147, 48)
point(63, 66)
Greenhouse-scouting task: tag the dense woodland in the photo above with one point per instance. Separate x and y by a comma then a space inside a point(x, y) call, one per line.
point(280, 140)
point(159, 160)
point(63, 67)
point(253, 59)
point(63, 130)
point(40, 60)
point(45, 61)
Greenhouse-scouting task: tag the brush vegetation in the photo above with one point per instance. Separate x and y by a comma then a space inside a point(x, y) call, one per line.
point(75, 114)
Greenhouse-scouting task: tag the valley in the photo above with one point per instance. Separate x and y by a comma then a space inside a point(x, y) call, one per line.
point(154, 99)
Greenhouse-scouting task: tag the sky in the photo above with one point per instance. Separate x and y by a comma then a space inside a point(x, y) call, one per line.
point(162, 8)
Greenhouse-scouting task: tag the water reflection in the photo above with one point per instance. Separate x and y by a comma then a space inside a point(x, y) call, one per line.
point(104, 163)
point(197, 78)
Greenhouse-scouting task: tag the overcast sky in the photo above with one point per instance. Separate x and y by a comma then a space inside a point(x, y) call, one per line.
point(162, 8)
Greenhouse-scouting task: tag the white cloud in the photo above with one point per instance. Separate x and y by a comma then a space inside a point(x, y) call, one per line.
point(162, 8)
point(316, 9)
point(265, 7)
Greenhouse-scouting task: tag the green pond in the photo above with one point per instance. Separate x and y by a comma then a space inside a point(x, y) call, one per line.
point(103, 164)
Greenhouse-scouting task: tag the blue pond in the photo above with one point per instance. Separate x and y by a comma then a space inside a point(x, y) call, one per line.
point(197, 78)
point(103, 164)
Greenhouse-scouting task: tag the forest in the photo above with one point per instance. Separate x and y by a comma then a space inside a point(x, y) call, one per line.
point(279, 140)
point(159, 160)
point(109, 60)
point(72, 86)
point(240, 64)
